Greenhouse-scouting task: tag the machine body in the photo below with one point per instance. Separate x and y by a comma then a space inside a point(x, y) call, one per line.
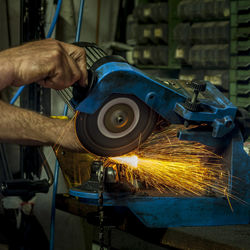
point(126, 89)
point(119, 111)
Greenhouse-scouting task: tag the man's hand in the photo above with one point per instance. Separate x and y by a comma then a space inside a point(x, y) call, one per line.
point(51, 63)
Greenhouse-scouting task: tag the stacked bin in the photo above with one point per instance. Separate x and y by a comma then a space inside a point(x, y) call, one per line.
point(240, 54)
point(148, 32)
point(203, 41)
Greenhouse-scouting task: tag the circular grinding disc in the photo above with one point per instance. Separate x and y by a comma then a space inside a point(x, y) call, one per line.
point(117, 127)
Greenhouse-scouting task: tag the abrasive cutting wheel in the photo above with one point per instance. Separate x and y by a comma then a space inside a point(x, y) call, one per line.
point(116, 128)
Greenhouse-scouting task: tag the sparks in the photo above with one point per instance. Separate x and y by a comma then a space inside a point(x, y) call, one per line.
point(169, 165)
point(131, 161)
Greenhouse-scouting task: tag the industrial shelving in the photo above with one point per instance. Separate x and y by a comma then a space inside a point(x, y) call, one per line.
point(156, 45)
point(239, 90)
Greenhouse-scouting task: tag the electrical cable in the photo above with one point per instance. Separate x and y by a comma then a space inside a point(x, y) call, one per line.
point(54, 21)
point(57, 166)
point(98, 21)
point(50, 32)
point(56, 173)
point(17, 94)
point(79, 24)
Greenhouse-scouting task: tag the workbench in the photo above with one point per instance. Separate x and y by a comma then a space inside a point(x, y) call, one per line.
point(133, 235)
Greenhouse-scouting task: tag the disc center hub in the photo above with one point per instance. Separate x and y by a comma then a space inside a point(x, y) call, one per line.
point(118, 117)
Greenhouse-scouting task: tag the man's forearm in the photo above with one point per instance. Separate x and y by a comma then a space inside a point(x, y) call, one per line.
point(29, 128)
point(6, 71)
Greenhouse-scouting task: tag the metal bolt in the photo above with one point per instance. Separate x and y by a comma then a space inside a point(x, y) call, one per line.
point(119, 119)
point(186, 124)
point(195, 96)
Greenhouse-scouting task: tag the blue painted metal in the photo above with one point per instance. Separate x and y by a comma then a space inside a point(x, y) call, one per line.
point(167, 98)
point(222, 126)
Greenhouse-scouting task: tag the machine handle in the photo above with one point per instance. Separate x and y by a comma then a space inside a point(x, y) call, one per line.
point(24, 187)
point(79, 92)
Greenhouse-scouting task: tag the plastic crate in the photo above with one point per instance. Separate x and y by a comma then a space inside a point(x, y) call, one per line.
point(239, 19)
point(144, 34)
point(240, 32)
point(222, 31)
point(240, 75)
point(239, 101)
point(238, 46)
point(195, 10)
point(173, 20)
point(190, 74)
point(209, 56)
point(131, 30)
point(240, 12)
point(197, 33)
point(151, 12)
point(160, 34)
point(220, 78)
point(161, 55)
point(151, 55)
point(182, 54)
point(161, 12)
point(182, 33)
point(210, 33)
point(240, 86)
point(239, 5)
point(240, 62)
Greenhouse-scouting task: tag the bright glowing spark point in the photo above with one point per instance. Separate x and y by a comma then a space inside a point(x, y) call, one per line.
point(127, 160)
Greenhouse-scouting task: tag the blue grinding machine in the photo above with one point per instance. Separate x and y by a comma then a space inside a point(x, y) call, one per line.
point(121, 106)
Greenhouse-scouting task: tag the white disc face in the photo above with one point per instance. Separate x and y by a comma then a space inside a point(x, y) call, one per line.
point(118, 117)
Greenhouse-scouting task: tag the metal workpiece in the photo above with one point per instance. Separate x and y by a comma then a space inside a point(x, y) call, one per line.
point(99, 173)
point(110, 175)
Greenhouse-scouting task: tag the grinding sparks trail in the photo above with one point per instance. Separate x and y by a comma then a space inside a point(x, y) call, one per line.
point(64, 131)
point(131, 161)
point(168, 164)
point(177, 176)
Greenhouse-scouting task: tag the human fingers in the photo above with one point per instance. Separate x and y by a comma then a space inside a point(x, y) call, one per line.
point(78, 54)
point(51, 63)
point(69, 67)
point(64, 72)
